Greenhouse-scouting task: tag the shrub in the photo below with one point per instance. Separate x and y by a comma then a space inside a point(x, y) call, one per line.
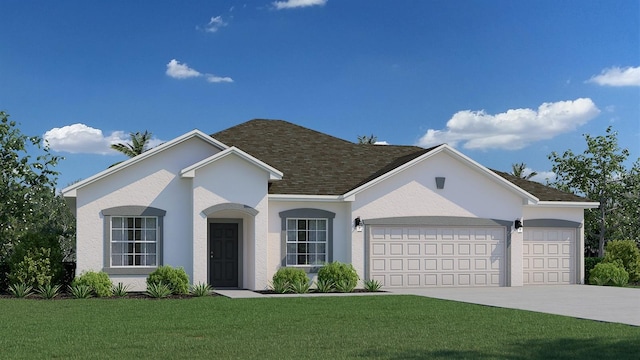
point(300, 286)
point(99, 282)
point(158, 290)
point(346, 286)
point(372, 285)
point(590, 263)
point(337, 272)
point(605, 272)
point(120, 290)
point(280, 285)
point(49, 291)
point(628, 253)
point(175, 278)
point(201, 289)
point(36, 260)
point(290, 275)
point(324, 285)
point(81, 291)
point(20, 290)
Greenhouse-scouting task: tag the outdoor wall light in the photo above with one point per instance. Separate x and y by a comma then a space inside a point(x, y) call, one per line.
point(518, 225)
point(440, 182)
point(358, 223)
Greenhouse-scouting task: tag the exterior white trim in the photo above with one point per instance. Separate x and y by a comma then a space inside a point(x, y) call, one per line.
point(190, 172)
point(527, 197)
point(319, 198)
point(71, 191)
point(566, 204)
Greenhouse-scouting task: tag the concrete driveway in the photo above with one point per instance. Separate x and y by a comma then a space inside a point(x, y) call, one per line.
point(601, 303)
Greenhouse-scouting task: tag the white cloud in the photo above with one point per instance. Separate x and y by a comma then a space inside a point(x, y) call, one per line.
point(80, 138)
point(218, 79)
point(542, 176)
point(177, 70)
point(616, 76)
point(215, 23)
point(291, 4)
point(513, 129)
point(181, 71)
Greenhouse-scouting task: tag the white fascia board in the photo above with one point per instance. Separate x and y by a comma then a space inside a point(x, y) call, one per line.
point(456, 154)
point(318, 198)
point(71, 191)
point(190, 172)
point(566, 204)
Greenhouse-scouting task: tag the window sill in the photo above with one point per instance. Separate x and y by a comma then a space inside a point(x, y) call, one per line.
point(129, 270)
point(309, 269)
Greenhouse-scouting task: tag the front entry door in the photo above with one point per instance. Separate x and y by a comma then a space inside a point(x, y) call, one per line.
point(223, 254)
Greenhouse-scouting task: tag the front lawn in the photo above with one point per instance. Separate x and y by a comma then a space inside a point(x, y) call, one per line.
point(383, 327)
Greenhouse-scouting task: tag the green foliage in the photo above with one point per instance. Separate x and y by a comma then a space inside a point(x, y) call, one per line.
point(599, 174)
point(81, 291)
point(20, 290)
point(120, 290)
point(27, 200)
point(48, 291)
point(340, 274)
point(325, 285)
point(99, 282)
point(290, 275)
point(201, 289)
point(158, 290)
point(629, 255)
point(345, 286)
point(36, 260)
point(590, 263)
point(367, 140)
point(605, 272)
point(372, 285)
point(300, 286)
point(175, 278)
point(280, 285)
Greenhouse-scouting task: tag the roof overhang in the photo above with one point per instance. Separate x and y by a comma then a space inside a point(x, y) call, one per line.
point(566, 204)
point(71, 191)
point(190, 172)
point(318, 198)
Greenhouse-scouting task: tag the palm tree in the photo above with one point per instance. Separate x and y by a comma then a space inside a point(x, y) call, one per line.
point(139, 144)
point(518, 170)
point(367, 140)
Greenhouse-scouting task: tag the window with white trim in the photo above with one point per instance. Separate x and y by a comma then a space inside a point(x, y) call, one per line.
point(306, 241)
point(134, 241)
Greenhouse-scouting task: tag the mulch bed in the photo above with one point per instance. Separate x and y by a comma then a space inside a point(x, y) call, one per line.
point(130, 295)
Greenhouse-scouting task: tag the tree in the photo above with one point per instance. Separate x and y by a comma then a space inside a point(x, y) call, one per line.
point(28, 203)
point(139, 144)
point(518, 170)
point(598, 174)
point(367, 140)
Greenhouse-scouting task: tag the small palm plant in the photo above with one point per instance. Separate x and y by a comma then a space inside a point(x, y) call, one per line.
point(20, 290)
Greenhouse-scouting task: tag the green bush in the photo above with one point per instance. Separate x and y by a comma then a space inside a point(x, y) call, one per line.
point(609, 273)
point(290, 275)
point(175, 278)
point(36, 260)
point(99, 282)
point(339, 273)
point(590, 263)
point(628, 253)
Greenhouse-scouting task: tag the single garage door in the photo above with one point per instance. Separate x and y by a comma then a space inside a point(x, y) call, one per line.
point(436, 256)
point(547, 256)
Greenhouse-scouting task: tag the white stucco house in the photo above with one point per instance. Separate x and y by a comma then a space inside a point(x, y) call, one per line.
point(233, 207)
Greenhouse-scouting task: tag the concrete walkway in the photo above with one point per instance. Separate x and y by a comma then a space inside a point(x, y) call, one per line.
point(601, 303)
point(248, 294)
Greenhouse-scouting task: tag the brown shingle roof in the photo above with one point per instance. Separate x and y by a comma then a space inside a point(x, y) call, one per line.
point(315, 163)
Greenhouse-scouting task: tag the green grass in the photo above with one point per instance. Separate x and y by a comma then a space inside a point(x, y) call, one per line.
point(379, 327)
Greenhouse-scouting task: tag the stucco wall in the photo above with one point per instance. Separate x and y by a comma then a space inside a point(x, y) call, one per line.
point(232, 180)
point(154, 182)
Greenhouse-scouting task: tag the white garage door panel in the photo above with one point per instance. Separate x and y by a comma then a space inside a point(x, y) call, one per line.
point(419, 257)
point(547, 256)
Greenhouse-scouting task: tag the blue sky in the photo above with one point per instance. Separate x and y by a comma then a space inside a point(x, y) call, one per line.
point(502, 81)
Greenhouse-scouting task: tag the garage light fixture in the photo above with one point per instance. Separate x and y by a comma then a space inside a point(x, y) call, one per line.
point(518, 225)
point(358, 224)
point(440, 182)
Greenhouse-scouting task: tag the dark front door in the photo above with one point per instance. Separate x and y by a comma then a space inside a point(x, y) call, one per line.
point(223, 254)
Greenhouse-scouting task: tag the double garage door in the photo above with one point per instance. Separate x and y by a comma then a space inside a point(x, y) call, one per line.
point(547, 256)
point(417, 256)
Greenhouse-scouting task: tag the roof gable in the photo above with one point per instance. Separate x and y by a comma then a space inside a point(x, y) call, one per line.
point(190, 171)
point(71, 190)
